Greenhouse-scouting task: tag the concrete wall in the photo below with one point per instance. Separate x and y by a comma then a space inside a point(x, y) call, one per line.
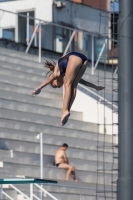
point(95, 113)
point(82, 17)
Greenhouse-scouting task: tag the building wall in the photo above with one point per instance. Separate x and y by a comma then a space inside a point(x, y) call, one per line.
point(100, 4)
point(82, 17)
point(42, 8)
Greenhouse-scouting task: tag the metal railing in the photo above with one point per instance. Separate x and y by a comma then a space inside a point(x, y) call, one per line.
point(70, 42)
point(31, 193)
point(78, 190)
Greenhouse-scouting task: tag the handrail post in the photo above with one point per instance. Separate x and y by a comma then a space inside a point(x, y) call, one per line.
point(1, 194)
point(40, 42)
point(7, 195)
point(41, 161)
point(45, 191)
point(31, 191)
point(33, 35)
point(19, 191)
point(28, 20)
point(103, 47)
point(59, 194)
point(69, 43)
point(40, 138)
point(92, 55)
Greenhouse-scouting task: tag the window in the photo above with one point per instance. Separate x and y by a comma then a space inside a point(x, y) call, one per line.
point(8, 33)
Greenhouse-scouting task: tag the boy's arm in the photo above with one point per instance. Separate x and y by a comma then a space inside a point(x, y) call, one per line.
point(65, 158)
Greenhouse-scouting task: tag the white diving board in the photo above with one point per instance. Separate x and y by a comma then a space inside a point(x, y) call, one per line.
point(26, 181)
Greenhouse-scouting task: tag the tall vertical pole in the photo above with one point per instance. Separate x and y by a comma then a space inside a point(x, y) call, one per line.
point(125, 94)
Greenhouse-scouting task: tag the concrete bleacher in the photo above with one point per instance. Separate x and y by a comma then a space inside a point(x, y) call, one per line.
point(22, 117)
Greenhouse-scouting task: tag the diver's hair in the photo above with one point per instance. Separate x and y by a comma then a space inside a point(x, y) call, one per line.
point(50, 65)
point(65, 145)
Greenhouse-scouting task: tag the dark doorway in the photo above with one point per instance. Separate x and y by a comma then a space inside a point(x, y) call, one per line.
point(23, 26)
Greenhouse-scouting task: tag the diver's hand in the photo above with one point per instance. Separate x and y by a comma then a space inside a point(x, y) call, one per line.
point(100, 88)
point(36, 91)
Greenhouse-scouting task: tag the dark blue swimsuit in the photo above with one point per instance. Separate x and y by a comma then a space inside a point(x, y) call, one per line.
point(62, 63)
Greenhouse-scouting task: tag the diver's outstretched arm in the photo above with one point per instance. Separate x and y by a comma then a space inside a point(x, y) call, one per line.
point(43, 84)
point(88, 84)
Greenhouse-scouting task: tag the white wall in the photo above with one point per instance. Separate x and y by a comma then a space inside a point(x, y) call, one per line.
point(93, 112)
point(43, 10)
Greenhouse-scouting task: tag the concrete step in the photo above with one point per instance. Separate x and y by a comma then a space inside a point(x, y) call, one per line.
point(27, 98)
point(46, 120)
point(28, 72)
point(21, 55)
point(36, 109)
point(18, 54)
point(26, 83)
point(34, 159)
point(107, 93)
point(55, 139)
point(23, 74)
point(7, 174)
point(88, 74)
point(27, 91)
point(67, 185)
point(22, 61)
point(56, 173)
point(5, 154)
point(34, 128)
point(34, 58)
point(41, 71)
point(34, 147)
point(24, 77)
point(22, 71)
point(36, 74)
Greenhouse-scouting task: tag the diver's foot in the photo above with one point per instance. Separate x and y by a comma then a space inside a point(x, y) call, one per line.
point(64, 118)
